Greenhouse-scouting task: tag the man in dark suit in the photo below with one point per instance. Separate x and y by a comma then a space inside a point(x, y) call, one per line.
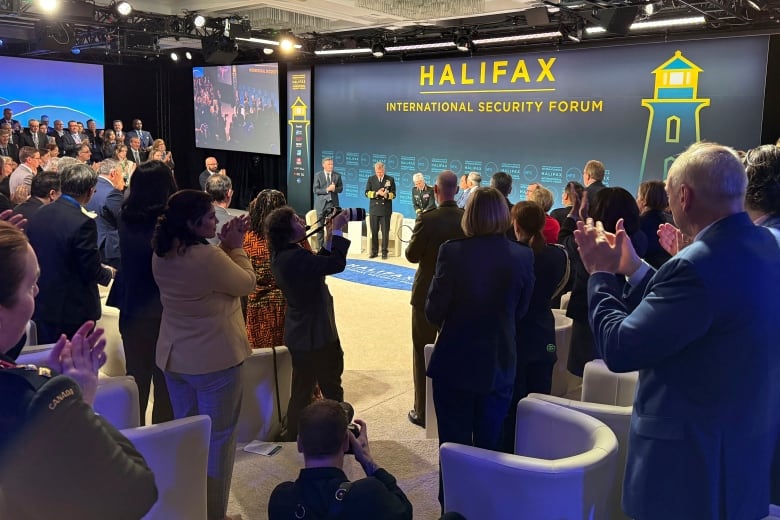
point(327, 186)
point(106, 203)
point(135, 153)
point(8, 149)
point(44, 189)
point(431, 229)
point(72, 140)
point(211, 169)
point(380, 189)
point(140, 133)
point(309, 324)
point(58, 133)
point(64, 236)
point(32, 136)
point(702, 333)
point(9, 119)
point(592, 178)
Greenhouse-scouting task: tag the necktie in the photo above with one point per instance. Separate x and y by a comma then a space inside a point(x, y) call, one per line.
point(5, 151)
point(77, 138)
point(137, 158)
point(35, 139)
point(327, 175)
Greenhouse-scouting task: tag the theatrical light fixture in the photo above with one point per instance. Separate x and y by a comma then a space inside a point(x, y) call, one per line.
point(75, 50)
point(287, 44)
point(121, 8)
point(335, 52)
point(758, 5)
point(655, 24)
point(199, 21)
point(377, 50)
point(174, 56)
point(188, 55)
point(268, 51)
point(48, 6)
point(464, 44)
point(420, 46)
point(263, 41)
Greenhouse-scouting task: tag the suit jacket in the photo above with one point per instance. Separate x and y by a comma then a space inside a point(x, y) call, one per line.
point(204, 176)
point(477, 311)
point(431, 229)
point(143, 135)
point(560, 214)
point(591, 191)
point(202, 328)
point(648, 223)
point(107, 204)
point(65, 239)
point(309, 322)
point(381, 206)
point(321, 194)
point(142, 154)
point(29, 207)
point(69, 145)
point(702, 334)
point(423, 199)
point(26, 139)
point(21, 175)
point(13, 152)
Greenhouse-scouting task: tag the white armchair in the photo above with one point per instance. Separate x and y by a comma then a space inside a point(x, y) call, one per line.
point(562, 380)
point(117, 401)
point(115, 350)
point(177, 453)
point(394, 244)
point(259, 416)
point(311, 219)
point(608, 397)
point(563, 466)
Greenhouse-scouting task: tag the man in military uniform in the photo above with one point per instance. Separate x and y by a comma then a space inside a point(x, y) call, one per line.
point(431, 229)
point(380, 189)
point(423, 198)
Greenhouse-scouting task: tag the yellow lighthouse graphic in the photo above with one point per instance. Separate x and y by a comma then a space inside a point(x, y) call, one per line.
point(298, 161)
point(674, 115)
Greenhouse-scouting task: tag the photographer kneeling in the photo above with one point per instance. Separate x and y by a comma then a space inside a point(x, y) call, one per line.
point(322, 489)
point(309, 324)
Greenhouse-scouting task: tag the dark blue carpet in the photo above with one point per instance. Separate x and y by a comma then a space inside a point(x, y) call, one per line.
point(378, 274)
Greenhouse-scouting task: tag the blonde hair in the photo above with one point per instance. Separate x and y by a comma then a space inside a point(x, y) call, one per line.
point(486, 213)
point(543, 197)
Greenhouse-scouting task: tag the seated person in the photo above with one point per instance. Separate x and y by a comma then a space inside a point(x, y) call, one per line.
point(323, 439)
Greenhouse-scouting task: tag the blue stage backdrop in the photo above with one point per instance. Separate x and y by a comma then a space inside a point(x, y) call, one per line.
point(538, 116)
point(61, 90)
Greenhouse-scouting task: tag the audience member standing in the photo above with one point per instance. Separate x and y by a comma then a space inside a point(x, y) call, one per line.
point(309, 323)
point(106, 203)
point(266, 305)
point(536, 345)
point(144, 136)
point(473, 181)
point(135, 153)
point(202, 343)
point(431, 230)
point(762, 197)
point(327, 186)
point(135, 292)
point(44, 189)
point(380, 189)
point(559, 214)
point(474, 362)
point(212, 168)
point(19, 183)
point(593, 178)
point(544, 198)
point(64, 237)
point(702, 333)
point(220, 188)
point(653, 202)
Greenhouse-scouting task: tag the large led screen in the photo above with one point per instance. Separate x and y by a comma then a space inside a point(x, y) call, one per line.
point(60, 90)
point(237, 108)
point(537, 116)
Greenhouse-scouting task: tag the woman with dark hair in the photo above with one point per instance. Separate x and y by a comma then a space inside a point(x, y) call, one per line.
point(478, 311)
point(266, 305)
point(762, 199)
point(135, 292)
point(58, 458)
point(536, 330)
point(653, 202)
point(109, 143)
point(202, 342)
point(610, 205)
point(126, 166)
point(572, 187)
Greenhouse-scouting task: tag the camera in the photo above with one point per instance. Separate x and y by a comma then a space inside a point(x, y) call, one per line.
point(354, 428)
point(355, 214)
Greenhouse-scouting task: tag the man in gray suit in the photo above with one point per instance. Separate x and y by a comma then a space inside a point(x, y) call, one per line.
point(327, 186)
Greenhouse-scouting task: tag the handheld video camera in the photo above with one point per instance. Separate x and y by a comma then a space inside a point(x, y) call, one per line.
point(354, 428)
point(355, 214)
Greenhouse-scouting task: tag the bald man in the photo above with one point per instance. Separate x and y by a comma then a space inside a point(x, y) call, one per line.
point(211, 169)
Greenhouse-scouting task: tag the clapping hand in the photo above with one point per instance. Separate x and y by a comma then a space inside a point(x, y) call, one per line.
point(604, 251)
point(15, 219)
point(579, 205)
point(232, 234)
point(671, 238)
point(81, 358)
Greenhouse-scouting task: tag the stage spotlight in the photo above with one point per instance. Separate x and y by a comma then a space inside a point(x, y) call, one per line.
point(75, 50)
point(174, 57)
point(378, 50)
point(121, 9)
point(758, 5)
point(287, 44)
point(48, 6)
point(268, 51)
point(199, 21)
point(188, 55)
point(464, 44)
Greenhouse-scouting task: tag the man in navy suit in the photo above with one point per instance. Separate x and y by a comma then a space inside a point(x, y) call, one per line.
point(143, 135)
point(32, 136)
point(327, 186)
point(64, 236)
point(701, 332)
point(135, 153)
point(106, 203)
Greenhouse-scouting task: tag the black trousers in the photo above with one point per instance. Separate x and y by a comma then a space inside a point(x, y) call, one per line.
point(49, 332)
point(139, 339)
point(375, 221)
point(582, 348)
point(322, 366)
point(423, 333)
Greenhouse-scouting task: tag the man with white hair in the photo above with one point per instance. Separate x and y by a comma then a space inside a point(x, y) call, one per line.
point(701, 332)
point(473, 181)
point(106, 203)
point(423, 198)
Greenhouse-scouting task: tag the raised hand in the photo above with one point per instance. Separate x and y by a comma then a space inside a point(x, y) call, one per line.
point(232, 234)
point(671, 238)
point(15, 219)
point(604, 251)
